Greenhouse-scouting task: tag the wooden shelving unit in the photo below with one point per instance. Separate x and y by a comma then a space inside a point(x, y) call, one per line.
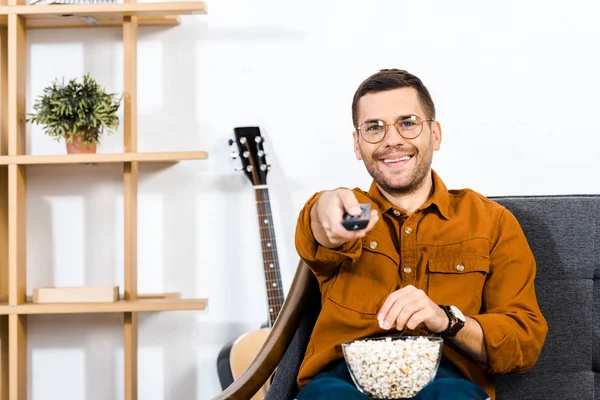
point(15, 306)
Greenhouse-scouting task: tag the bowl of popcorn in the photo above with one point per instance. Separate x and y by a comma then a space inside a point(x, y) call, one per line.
point(395, 367)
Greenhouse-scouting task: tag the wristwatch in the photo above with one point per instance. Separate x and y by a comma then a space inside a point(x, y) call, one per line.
point(456, 321)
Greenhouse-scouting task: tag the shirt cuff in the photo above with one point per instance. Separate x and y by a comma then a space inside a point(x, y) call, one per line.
point(502, 344)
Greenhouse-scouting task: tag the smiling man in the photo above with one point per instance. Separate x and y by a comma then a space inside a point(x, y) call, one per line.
point(432, 261)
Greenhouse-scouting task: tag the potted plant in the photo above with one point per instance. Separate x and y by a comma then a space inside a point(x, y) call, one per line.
point(79, 112)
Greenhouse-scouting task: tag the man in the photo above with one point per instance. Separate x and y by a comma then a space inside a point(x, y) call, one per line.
point(431, 261)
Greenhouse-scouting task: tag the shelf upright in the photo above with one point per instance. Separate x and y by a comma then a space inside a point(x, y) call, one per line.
point(17, 196)
point(3, 207)
point(130, 188)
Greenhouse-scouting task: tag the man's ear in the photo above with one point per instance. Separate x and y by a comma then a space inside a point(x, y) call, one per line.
point(436, 134)
point(356, 147)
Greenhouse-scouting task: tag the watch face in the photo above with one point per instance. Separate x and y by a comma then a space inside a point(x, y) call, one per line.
point(457, 313)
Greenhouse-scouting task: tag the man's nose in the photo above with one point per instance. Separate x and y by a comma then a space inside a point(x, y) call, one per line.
point(393, 136)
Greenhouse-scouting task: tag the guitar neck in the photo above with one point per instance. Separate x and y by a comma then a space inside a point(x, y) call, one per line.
point(269, 251)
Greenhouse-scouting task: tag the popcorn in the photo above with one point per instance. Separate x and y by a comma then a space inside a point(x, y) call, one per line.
point(393, 369)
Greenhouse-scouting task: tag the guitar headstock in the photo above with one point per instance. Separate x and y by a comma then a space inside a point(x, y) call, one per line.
point(251, 153)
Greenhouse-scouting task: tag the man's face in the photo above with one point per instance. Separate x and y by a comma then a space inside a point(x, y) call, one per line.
point(397, 165)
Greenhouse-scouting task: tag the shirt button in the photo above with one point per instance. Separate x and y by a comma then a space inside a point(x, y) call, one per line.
point(407, 270)
point(407, 231)
point(397, 213)
point(373, 245)
point(460, 267)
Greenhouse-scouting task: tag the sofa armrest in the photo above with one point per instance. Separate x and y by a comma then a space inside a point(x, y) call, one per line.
point(277, 342)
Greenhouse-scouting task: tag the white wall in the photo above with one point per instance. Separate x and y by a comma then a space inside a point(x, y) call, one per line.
point(515, 84)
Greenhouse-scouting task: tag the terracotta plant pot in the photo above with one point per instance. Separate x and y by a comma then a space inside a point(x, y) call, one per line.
point(76, 147)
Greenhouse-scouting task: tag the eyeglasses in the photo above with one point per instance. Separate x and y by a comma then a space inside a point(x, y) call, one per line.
point(408, 126)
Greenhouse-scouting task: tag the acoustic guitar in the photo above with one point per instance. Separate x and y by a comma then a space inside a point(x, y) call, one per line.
point(235, 357)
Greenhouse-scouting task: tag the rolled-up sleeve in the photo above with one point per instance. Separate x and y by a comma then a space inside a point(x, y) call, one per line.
point(322, 260)
point(513, 326)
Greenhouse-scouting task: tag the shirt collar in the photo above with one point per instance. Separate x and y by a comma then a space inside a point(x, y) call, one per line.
point(440, 197)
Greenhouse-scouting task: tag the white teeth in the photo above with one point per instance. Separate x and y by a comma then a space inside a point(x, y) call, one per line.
point(397, 159)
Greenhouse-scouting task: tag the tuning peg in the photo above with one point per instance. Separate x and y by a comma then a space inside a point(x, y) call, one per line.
point(264, 167)
point(235, 154)
point(258, 139)
point(245, 154)
point(243, 140)
point(238, 169)
point(249, 168)
point(231, 141)
point(261, 153)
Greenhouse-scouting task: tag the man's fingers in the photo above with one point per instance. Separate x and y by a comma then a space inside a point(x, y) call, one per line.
point(406, 290)
point(408, 311)
point(385, 308)
point(349, 202)
point(417, 318)
point(410, 308)
point(401, 296)
point(391, 316)
point(330, 210)
point(339, 231)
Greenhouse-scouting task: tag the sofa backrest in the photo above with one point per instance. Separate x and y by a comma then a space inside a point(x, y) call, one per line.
point(564, 235)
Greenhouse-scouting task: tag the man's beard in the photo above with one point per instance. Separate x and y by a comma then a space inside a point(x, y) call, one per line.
point(414, 182)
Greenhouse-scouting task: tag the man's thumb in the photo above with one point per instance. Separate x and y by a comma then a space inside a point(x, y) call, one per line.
point(349, 202)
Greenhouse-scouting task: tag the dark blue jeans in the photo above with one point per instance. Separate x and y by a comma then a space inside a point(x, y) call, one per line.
point(336, 384)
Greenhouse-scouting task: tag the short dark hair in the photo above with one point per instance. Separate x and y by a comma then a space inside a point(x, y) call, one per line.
point(389, 79)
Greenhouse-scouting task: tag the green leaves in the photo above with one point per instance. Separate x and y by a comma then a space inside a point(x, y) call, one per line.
point(83, 109)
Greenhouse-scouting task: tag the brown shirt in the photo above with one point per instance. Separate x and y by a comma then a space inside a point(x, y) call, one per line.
point(460, 248)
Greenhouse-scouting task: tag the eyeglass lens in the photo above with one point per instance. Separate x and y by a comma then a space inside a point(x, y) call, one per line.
point(409, 126)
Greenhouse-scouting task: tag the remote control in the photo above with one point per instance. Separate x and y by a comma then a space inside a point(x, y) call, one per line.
point(354, 223)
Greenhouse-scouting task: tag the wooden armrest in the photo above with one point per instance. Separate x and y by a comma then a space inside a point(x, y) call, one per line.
point(276, 344)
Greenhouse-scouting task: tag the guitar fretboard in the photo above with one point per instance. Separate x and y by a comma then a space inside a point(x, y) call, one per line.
point(273, 284)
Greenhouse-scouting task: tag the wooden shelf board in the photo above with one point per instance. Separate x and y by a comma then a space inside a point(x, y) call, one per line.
point(77, 22)
point(159, 157)
point(62, 15)
point(146, 305)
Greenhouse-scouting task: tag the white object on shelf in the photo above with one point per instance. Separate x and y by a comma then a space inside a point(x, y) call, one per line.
point(101, 294)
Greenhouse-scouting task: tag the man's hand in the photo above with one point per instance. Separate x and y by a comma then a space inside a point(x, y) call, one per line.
point(326, 218)
point(410, 307)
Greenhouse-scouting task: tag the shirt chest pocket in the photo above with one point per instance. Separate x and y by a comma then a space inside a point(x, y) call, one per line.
point(364, 285)
point(458, 280)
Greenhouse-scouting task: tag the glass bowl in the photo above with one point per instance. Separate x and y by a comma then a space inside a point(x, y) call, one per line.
point(395, 367)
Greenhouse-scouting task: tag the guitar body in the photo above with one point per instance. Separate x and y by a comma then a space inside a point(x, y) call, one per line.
point(236, 357)
point(243, 351)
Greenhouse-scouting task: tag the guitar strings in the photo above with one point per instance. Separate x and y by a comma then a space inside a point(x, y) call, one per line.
point(273, 294)
point(271, 274)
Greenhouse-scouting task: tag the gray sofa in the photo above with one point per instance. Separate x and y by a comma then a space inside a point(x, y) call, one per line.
point(564, 234)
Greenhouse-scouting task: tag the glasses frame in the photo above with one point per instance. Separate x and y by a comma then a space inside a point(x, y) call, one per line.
point(385, 126)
